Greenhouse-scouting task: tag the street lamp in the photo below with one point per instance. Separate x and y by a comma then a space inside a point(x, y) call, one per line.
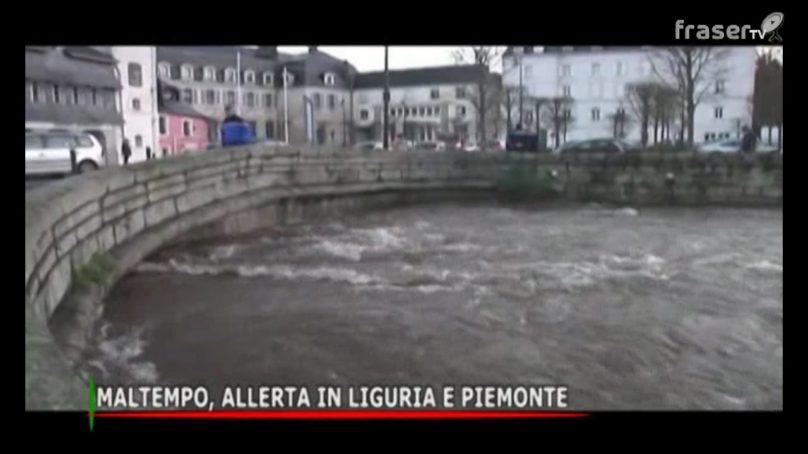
point(386, 98)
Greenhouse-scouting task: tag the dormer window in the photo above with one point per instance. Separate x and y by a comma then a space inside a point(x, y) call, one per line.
point(210, 73)
point(249, 77)
point(187, 72)
point(267, 78)
point(330, 78)
point(164, 70)
point(230, 75)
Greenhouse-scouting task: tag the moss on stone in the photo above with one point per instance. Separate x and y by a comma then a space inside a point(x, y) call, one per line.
point(523, 182)
point(95, 271)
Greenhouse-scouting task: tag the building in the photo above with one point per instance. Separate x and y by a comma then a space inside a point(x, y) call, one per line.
point(138, 72)
point(595, 81)
point(182, 129)
point(426, 104)
point(77, 89)
point(251, 79)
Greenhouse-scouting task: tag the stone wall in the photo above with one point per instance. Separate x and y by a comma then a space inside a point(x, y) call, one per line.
point(85, 232)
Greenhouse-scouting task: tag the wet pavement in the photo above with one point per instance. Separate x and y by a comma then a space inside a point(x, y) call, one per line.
point(632, 309)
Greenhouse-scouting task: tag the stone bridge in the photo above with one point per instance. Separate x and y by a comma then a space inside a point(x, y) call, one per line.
point(83, 233)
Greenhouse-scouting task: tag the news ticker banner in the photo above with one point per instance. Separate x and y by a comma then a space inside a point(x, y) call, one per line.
point(329, 402)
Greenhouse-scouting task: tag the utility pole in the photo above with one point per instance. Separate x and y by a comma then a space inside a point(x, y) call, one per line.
point(521, 97)
point(238, 82)
point(285, 109)
point(386, 98)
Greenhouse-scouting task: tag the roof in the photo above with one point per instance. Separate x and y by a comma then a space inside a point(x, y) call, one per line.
point(435, 75)
point(71, 114)
point(178, 108)
point(309, 67)
point(63, 66)
point(539, 50)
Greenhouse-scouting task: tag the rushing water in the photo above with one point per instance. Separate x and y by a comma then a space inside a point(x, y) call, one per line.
point(648, 309)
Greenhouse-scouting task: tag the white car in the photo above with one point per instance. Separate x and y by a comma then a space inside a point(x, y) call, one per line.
point(731, 146)
point(49, 152)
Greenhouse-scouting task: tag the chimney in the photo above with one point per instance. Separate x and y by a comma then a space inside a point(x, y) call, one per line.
point(312, 49)
point(269, 52)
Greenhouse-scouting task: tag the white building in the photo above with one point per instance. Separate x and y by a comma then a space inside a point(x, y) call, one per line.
point(138, 74)
point(426, 104)
point(596, 79)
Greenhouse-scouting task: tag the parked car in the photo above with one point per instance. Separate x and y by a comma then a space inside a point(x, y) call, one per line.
point(731, 146)
point(607, 145)
point(370, 145)
point(432, 146)
point(49, 152)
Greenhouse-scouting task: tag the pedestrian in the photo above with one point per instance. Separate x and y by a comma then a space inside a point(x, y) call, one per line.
point(126, 151)
point(148, 153)
point(748, 140)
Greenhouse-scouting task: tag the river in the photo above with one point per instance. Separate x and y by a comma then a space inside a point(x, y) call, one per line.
point(631, 309)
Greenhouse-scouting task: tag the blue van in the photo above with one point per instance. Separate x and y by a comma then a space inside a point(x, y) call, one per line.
point(236, 132)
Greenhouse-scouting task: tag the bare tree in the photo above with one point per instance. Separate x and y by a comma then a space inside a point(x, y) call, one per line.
point(768, 98)
point(639, 97)
point(664, 110)
point(484, 93)
point(557, 116)
point(692, 72)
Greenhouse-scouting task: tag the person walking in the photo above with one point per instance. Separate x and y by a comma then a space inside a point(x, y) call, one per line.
point(148, 153)
point(126, 151)
point(748, 140)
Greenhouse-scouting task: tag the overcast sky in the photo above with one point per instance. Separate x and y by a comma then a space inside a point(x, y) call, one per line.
point(371, 58)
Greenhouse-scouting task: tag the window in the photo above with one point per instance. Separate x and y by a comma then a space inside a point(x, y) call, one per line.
point(421, 111)
point(162, 125)
point(186, 128)
point(595, 69)
point(250, 100)
point(249, 77)
point(187, 96)
point(719, 86)
point(434, 93)
point(268, 78)
point(329, 79)
point(460, 92)
point(566, 90)
point(231, 98)
point(528, 70)
point(135, 74)
point(138, 141)
point(59, 141)
point(363, 114)
point(596, 114)
point(230, 75)
point(95, 97)
point(332, 102)
point(268, 99)
point(429, 111)
point(210, 73)
point(75, 95)
point(164, 70)
point(252, 126)
point(56, 93)
point(462, 111)
point(270, 129)
point(34, 92)
point(85, 141)
point(135, 104)
point(318, 101)
point(566, 70)
point(187, 72)
point(210, 97)
point(33, 142)
point(719, 112)
point(621, 68)
point(437, 110)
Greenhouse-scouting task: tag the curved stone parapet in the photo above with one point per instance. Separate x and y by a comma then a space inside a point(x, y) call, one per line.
point(83, 233)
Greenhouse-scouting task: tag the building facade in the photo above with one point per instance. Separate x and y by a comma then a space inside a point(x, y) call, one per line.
point(181, 130)
point(138, 73)
point(596, 80)
point(252, 81)
point(76, 89)
point(426, 104)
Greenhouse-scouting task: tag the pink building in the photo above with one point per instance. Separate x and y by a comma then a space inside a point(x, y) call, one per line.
point(182, 130)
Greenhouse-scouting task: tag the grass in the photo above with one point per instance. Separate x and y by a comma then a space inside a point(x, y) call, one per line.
point(95, 271)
